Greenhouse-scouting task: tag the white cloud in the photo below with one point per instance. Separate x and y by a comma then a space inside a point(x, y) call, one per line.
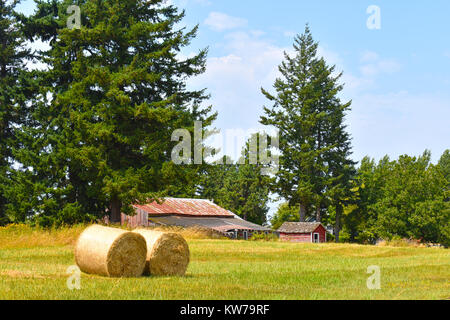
point(371, 69)
point(393, 123)
point(369, 56)
point(235, 80)
point(184, 3)
point(373, 65)
point(289, 34)
point(399, 123)
point(218, 21)
point(380, 66)
point(330, 56)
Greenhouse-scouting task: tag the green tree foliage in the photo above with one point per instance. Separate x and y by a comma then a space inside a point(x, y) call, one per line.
point(114, 92)
point(14, 88)
point(360, 219)
point(314, 164)
point(240, 187)
point(285, 213)
point(404, 198)
point(444, 166)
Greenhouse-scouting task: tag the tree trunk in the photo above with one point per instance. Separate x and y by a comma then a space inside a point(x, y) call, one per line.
point(302, 213)
point(116, 210)
point(318, 214)
point(337, 225)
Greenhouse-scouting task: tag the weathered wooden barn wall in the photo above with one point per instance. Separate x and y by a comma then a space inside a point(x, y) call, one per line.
point(305, 237)
point(300, 237)
point(139, 220)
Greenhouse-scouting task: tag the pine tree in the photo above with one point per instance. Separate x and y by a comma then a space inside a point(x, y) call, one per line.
point(114, 93)
point(246, 189)
point(313, 143)
point(239, 187)
point(13, 92)
point(341, 169)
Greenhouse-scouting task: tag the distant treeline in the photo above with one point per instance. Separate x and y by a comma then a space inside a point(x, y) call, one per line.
point(407, 198)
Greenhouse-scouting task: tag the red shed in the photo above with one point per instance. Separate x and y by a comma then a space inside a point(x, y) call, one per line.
point(312, 232)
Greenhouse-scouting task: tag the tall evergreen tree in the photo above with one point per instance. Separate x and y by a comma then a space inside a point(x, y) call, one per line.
point(212, 179)
point(313, 143)
point(246, 189)
point(114, 93)
point(341, 169)
point(239, 187)
point(13, 92)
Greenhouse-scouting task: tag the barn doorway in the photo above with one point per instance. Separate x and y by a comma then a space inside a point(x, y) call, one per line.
point(245, 235)
point(316, 238)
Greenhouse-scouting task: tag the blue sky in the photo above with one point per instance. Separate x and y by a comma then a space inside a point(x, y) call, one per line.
point(398, 76)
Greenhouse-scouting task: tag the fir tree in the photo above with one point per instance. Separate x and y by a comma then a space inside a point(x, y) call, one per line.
point(239, 187)
point(313, 143)
point(114, 93)
point(13, 93)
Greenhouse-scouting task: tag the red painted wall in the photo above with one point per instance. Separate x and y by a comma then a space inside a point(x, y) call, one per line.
point(322, 233)
point(304, 237)
point(296, 237)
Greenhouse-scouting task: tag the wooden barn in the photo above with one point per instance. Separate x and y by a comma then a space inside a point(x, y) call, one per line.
point(192, 213)
point(310, 232)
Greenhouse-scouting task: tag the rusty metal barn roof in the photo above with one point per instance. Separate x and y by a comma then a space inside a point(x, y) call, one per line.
point(216, 223)
point(299, 227)
point(185, 207)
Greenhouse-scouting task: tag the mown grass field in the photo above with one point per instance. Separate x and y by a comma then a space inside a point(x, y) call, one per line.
point(33, 265)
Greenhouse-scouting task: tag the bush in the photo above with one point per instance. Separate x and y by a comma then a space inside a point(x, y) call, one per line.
point(261, 236)
point(330, 237)
point(344, 236)
point(444, 237)
point(366, 237)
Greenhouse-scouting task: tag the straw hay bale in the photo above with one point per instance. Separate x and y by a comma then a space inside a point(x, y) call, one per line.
point(111, 252)
point(167, 253)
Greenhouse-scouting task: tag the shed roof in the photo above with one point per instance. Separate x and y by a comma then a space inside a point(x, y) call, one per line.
point(185, 207)
point(299, 227)
point(216, 223)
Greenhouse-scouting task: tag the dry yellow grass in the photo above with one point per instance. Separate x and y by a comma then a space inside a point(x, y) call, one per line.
point(401, 243)
point(24, 236)
point(192, 233)
point(224, 269)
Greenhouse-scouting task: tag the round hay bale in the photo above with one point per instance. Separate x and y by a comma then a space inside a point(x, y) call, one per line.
point(111, 252)
point(167, 253)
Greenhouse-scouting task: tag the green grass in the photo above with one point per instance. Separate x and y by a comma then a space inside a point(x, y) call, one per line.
point(33, 265)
